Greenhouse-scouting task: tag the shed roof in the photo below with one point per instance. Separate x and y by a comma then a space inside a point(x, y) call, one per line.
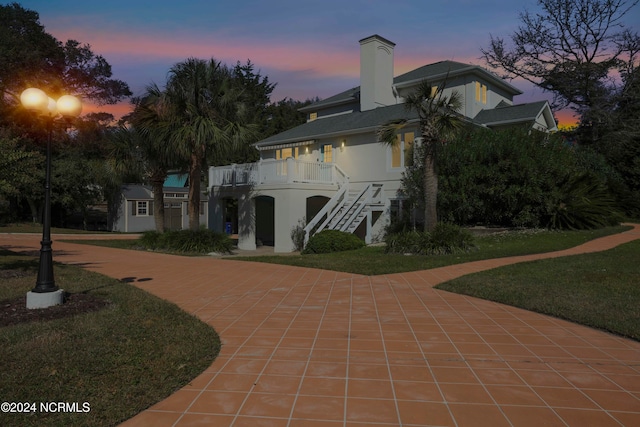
point(137, 192)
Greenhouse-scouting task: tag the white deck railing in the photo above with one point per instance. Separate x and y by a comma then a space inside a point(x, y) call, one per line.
point(276, 172)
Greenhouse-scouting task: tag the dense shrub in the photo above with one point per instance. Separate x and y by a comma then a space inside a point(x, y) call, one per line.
point(187, 241)
point(444, 239)
point(622, 151)
point(332, 241)
point(583, 203)
point(518, 178)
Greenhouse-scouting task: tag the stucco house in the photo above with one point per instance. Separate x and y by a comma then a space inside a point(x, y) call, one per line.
point(332, 172)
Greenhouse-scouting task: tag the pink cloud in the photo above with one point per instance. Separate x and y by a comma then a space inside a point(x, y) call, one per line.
point(141, 47)
point(301, 69)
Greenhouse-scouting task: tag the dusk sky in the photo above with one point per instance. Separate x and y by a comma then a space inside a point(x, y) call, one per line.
point(308, 48)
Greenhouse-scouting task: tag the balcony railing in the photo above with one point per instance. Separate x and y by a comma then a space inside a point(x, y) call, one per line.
point(284, 171)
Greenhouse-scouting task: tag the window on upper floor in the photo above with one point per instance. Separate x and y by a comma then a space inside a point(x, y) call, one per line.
point(313, 116)
point(481, 93)
point(400, 151)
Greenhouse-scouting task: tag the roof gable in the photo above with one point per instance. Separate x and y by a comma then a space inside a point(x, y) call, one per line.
point(514, 114)
point(450, 69)
point(435, 72)
point(136, 192)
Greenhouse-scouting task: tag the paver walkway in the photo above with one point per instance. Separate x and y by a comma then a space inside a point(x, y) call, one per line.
point(312, 348)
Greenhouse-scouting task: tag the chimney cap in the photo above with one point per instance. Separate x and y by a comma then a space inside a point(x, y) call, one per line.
point(380, 38)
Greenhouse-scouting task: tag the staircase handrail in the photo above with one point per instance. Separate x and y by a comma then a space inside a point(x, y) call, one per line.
point(334, 204)
point(372, 197)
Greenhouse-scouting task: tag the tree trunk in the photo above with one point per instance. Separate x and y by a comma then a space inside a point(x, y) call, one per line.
point(157, 184)
point(430, 188)
point(194, 190)
point(36, 210)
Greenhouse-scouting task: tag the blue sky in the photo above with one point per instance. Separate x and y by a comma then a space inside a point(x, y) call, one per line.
point(308, 48)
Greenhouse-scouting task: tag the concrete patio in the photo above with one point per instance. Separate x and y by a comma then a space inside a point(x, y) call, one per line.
point(316, 348)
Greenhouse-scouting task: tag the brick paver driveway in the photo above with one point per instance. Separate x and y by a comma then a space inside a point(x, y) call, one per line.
point(308, 347)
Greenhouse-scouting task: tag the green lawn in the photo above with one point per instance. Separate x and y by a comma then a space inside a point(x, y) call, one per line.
point(601, 290)
point(121, 359)
point(372, 260)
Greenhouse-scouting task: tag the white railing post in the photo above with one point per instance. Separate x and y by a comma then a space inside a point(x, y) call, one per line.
point(290, 170)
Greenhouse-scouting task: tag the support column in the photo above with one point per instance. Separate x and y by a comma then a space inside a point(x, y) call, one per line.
point(290, 206)
point(216, 211)
point(246, 223)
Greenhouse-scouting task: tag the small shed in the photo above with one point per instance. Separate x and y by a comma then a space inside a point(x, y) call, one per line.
point(135, 210)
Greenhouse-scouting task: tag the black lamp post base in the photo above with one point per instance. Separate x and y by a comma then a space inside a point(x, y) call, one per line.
point(44, 300)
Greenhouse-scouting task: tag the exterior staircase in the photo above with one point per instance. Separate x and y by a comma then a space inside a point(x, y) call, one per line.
point(346, 210)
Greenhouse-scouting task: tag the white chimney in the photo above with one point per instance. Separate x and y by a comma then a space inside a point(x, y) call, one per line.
point(376, 72)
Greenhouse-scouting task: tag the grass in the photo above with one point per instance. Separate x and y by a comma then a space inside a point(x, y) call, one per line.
point(372, 260)
point(132, 244)
point(120, 360)
point(32, 227)
point(598, 290)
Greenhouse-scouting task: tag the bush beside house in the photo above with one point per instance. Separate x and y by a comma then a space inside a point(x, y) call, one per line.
point(444, 239)
point(519, 178)
point(187, 241)
point(332, 241)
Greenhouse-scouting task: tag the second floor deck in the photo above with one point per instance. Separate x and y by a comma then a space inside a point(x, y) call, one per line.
point(285, 171)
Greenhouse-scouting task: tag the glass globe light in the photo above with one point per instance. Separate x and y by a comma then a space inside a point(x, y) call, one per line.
point(35, 99)
point(69, 106)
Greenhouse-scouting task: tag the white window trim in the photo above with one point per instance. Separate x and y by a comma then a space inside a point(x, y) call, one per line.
point(403, 150)
point(139, 205)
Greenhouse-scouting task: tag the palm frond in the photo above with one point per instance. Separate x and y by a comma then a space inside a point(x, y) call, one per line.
point(387, 133)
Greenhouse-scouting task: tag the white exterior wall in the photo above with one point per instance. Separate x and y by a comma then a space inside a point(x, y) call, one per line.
point(290, 206)
point(466, 87)
point(364, 161)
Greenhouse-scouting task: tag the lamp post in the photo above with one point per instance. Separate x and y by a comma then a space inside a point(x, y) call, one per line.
point(46, 293)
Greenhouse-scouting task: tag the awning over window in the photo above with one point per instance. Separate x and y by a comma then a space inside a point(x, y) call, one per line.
point(289, 145)
point(176, 180)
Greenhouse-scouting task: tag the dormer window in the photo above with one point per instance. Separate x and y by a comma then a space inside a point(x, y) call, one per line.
point(313, 116)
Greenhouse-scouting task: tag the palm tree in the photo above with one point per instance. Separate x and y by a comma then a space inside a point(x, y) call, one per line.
point(438, 118)
point(199, 112)
point(136, 153)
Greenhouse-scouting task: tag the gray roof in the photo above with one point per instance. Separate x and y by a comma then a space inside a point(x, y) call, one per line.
point(136, 192)
point(511, 114)
point(368, 121)
point(350, 123)
point(345, 97)
point(437, 71)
